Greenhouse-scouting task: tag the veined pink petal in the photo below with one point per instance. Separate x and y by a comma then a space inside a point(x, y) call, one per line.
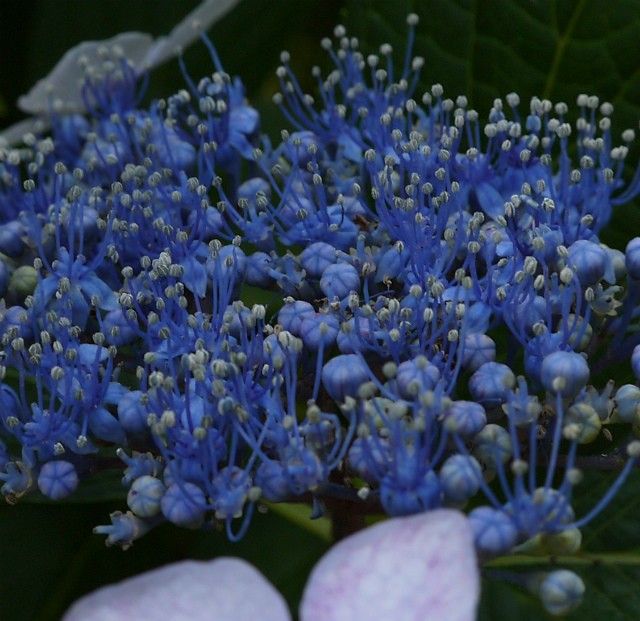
point(225, 589)
point(418, 568)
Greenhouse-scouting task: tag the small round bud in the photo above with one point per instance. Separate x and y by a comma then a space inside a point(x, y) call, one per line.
point(494, 531)
point(561, 592)
point(184, 504)
point(23, 280)
point(632, 258)
point(57, 479)
point(145, 495)
point(564, 372)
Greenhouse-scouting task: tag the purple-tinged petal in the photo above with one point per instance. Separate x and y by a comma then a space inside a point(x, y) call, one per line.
point(226, 589)
point(418, 568)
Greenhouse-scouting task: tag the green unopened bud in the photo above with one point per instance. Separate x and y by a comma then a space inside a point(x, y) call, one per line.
point(23, 280)
point(582, 423)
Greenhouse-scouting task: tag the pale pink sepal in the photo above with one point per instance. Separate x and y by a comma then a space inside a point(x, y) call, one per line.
point(418, 568)
point(226, 589)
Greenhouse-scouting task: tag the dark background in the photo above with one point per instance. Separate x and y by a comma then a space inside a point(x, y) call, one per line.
point(482, 48)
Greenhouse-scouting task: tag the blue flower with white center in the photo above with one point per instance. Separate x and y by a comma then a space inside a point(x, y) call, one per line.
point(118, 328)
point(78, 287)
point(124, 529)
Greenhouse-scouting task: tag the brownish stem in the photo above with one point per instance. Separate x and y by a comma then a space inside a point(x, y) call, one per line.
point(344, 520)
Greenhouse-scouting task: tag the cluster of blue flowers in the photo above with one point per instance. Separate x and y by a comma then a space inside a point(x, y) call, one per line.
point(445, 300)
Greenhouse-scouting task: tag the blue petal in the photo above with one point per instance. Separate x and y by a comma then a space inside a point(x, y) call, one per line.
point(238, 140)
point(45, 290)
point(195, 276)
point(350, 148)
point(115, 393)
point(243, 119)
point(104, 426)
point(477, 317)
point(91, 286)
point(490, 200)
point(88, 354)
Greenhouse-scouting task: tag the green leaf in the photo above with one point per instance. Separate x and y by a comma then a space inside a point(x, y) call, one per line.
point(609, 563)
point(98, 487)
point(50, 556)
point(616, 528)
point(611, 594)
point(272, 300)
point(300, 515)
point(490, 48)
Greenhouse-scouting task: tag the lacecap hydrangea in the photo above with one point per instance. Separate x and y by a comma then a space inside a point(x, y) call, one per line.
point(444, 300)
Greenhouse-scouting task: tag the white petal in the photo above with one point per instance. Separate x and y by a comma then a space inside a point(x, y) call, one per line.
point(418, 568)
point(62, 86)
point(225, 589)
point(13, 134)
point(187, 31)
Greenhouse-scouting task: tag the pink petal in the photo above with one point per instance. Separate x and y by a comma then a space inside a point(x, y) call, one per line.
point(418, 568)
point(226, 589)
